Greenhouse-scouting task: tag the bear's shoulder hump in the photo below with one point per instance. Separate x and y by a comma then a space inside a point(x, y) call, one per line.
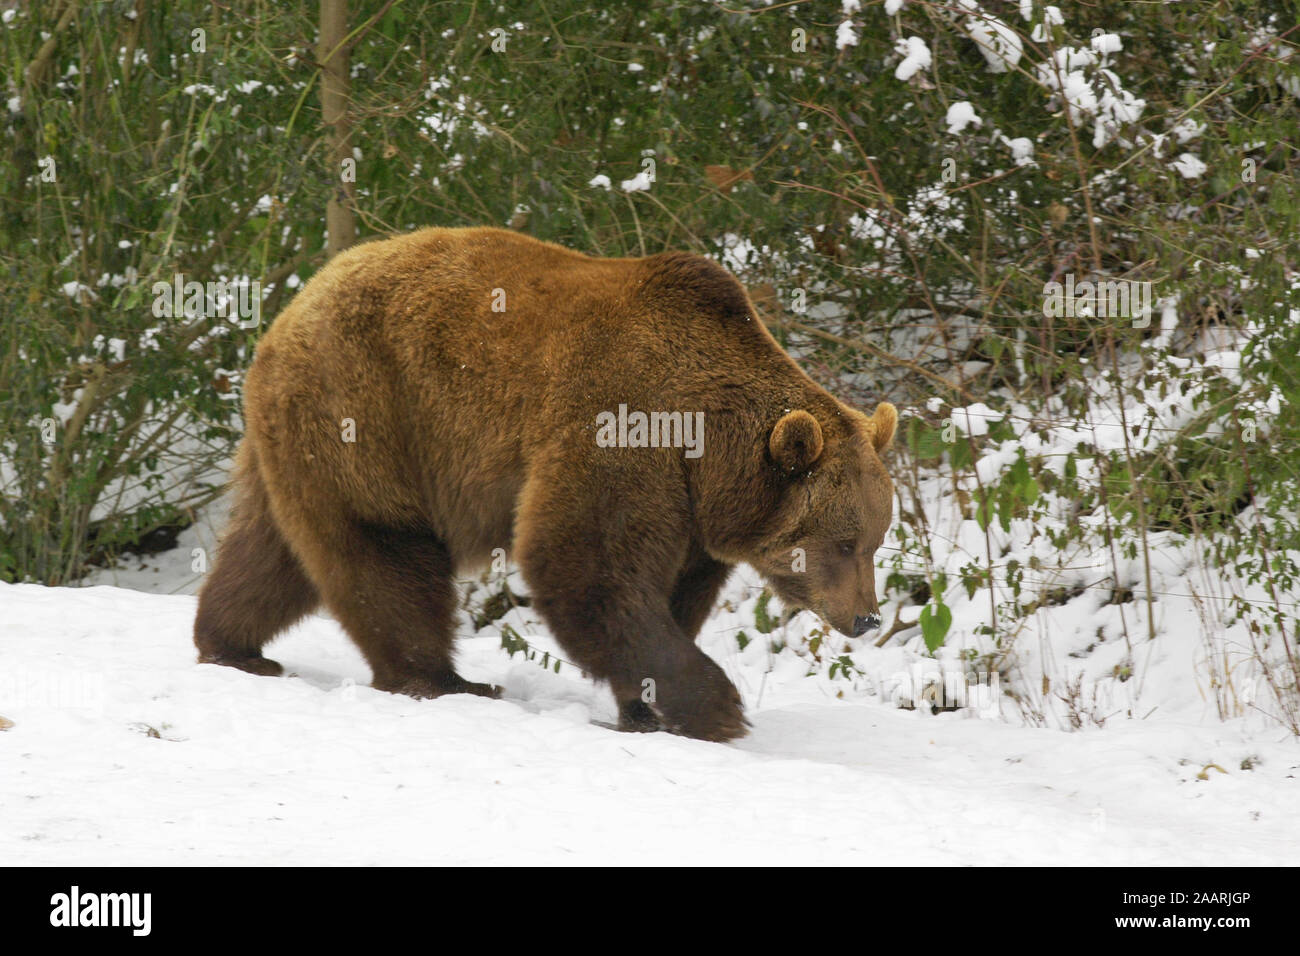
point(694, 281)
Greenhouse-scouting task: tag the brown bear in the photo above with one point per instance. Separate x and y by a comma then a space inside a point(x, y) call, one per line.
point(626, 429)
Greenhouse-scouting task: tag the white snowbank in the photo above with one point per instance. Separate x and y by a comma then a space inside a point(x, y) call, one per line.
point(124, 751)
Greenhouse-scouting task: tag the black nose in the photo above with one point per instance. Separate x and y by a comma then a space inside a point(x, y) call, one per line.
point(863, 624)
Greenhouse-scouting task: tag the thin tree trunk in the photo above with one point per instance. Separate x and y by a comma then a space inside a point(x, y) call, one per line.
point(333, 56)
point(40, 63)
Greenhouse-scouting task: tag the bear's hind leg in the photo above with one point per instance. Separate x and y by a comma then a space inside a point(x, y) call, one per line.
point(257, 587)
point(391, 590)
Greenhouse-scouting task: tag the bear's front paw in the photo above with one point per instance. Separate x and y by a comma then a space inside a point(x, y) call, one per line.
point(701, 702)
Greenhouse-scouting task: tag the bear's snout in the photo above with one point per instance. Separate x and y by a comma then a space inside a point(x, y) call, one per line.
point(863, 624)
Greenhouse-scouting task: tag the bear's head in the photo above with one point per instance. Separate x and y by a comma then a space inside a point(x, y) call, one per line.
point(834, 509)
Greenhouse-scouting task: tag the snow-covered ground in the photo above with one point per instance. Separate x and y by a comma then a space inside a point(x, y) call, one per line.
point(123, 750)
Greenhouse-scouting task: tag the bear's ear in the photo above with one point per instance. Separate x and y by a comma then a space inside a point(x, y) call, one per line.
point(796, 442)
point(884, 421)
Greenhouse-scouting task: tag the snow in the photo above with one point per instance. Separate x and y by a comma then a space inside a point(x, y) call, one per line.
point(115, 347)
point(1105, 43)
point(845, 36)
point(999, 43)
point(124, 751)
point(1077, 74)
point(960, 115)
point(1188, 130)
point(916, 57)
point(1189, 166)
point(638, 183)
point(1022, 150)
point(974, 419)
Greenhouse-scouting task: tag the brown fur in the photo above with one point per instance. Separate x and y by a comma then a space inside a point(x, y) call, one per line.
point(476, 430)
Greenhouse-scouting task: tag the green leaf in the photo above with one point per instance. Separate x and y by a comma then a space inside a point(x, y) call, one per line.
point(1029, 493)
point(925, 442)
point(935, 621)
point(1001, 431)
point(763, 622)
point(960, 454)
point(1019, 473)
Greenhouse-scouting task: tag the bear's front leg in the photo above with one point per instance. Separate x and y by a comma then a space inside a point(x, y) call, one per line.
point(636, 717)
point(660, 679)
point(683, 687)
point(639, 714)
point(603, 536)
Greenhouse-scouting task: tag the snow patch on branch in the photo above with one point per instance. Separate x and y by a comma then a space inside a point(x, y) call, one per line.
point(916, 57)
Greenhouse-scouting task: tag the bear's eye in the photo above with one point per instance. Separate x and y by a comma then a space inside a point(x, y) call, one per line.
point(846, 548)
